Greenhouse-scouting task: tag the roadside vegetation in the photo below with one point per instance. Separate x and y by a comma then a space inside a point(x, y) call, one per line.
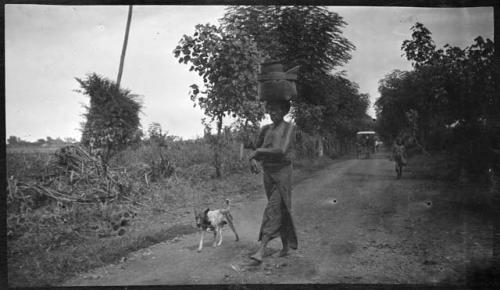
point(51, 237)
point(447, 103)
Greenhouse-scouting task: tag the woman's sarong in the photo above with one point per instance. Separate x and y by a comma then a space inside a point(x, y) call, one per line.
point(277, 219)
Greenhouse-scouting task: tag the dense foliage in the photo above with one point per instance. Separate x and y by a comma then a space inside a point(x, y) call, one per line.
point(228, 64)
point(112, 117)
point(227, 58)
point(14, 141)
point(310, 37)
point(446, 102)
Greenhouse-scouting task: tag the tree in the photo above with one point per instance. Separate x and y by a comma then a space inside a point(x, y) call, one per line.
point(58, 141)
point(310, 37)
point(13, 140)
point(395, 95)
point(227, 58)
point(345, 108)
point(344, 112)
point(156, 135)
point(460, 80)
point(112, 117)
point(70, 140)
point(228, 64)
point(307, 36)
point(449, 93)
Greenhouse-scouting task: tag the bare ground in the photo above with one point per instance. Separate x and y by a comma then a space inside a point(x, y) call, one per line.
point(356, 224)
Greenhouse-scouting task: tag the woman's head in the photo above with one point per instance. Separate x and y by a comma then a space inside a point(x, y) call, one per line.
point(277, 109)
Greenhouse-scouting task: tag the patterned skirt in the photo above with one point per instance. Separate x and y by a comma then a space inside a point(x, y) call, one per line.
point(277, 219)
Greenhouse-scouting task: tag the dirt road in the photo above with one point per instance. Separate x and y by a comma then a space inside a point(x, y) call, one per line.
point(356, 223)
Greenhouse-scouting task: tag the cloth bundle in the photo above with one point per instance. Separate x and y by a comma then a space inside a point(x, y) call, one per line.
point(274, 84)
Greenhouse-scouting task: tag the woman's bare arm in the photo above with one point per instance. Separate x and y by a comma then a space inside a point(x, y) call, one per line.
point(258, 142)
point(261, 153)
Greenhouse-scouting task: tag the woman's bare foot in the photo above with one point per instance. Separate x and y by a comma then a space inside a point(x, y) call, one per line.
point(258, 255)
point(283, 252)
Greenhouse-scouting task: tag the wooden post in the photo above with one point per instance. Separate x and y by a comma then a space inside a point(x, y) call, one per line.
point(241, 151)
point(217, 157)
point(320, 145)
point(122, 58)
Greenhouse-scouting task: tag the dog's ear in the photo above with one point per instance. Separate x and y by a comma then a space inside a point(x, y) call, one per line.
point(207, 210)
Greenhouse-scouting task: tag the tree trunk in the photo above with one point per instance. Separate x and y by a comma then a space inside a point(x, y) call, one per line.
point(218, 165)
point(124, 48)
point(246, 141)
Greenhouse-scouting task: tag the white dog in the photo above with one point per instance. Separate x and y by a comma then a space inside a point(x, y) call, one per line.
point(214, 220)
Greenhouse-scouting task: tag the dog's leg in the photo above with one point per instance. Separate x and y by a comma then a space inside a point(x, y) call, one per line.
point(201, 240)
point(229, 219)
point(220, 236)
point(214, 244)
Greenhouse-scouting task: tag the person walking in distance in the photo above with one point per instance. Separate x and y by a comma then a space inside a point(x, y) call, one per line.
point(273, 149)
point(399, 155)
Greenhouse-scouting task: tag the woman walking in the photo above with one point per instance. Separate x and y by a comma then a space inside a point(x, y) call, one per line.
point(274, 148)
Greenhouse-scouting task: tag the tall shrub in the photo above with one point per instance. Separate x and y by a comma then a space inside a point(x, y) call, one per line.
point(112, 116)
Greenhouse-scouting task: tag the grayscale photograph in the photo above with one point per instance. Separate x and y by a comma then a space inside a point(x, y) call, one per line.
point(250, 145)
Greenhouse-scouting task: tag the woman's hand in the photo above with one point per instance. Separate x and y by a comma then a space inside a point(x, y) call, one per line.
point(254, 167)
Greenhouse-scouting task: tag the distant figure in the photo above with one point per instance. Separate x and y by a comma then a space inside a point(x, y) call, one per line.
point(359, 148)
point(377, 145)
point(367, 144)
point(399, 155)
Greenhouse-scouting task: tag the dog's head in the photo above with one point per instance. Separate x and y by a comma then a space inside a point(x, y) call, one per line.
point(201, 217)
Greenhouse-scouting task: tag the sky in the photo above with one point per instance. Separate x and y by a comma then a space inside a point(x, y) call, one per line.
point(47, 46)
